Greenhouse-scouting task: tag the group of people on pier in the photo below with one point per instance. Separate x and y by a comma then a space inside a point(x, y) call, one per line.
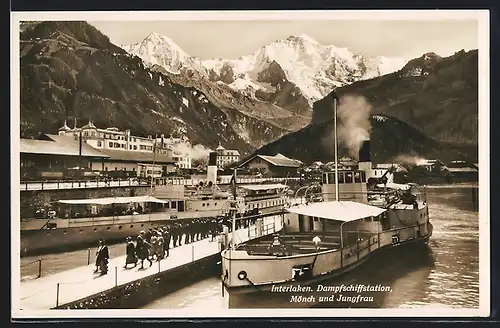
point(154, 244)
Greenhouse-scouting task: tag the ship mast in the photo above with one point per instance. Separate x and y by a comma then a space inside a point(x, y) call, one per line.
point(233, 235)
point(335, 142)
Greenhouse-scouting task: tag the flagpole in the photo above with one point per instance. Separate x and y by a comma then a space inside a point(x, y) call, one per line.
point(336, 155)
point(234, 212)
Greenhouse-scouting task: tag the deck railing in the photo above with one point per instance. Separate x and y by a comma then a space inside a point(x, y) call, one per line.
point(102, 183)
point(79, 184)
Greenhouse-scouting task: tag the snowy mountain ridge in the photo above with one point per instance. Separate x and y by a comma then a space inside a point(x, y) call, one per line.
point(315, 69)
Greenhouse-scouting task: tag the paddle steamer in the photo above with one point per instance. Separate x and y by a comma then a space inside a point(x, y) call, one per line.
point(320, 240)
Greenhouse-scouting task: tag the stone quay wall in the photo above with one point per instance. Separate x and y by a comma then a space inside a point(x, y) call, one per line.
point(138, 293)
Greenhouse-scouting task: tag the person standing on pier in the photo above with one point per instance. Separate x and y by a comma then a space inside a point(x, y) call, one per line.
point(102, 257)
point(131, 255)
point(175, 233)
point(193, 231)
point(167, 236)
point(143, 248)
point(213, 229)
point(186, 229)
point(160, 251)
point(154, 244)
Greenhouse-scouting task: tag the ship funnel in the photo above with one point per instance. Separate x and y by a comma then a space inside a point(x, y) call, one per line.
point(212, 168)
point(365, 161)
point(364, 152)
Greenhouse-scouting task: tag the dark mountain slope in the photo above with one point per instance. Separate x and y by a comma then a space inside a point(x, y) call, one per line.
point(70, 69)
point(439, 96)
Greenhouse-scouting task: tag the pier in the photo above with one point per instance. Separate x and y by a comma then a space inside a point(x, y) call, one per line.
point(73, 288)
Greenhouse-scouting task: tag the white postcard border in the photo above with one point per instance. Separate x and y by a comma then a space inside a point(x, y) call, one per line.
point(482, 16)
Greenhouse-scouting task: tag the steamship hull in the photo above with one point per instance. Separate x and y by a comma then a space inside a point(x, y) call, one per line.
point(71, 234)
point(272, 283)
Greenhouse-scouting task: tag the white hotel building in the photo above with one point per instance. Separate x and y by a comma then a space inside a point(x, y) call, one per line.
point(114, 139)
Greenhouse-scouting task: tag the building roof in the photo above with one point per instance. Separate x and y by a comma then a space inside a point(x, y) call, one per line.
point(65, 127)
point(138, 157)
point(220, 147)
point(276, 160)
point(58, 145)
point(345, 211)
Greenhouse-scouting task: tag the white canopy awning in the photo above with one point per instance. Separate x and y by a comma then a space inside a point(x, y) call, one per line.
point(345, 211)
point(114, 200)
point(263, 186)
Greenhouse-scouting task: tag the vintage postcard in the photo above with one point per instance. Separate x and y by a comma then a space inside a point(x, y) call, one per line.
point(227, 164)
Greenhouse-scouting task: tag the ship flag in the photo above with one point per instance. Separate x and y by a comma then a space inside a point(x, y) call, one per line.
point(232, 184)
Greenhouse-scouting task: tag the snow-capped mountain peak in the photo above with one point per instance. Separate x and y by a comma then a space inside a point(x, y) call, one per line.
point(301, 38)
point(156, 49)
point(313, 68)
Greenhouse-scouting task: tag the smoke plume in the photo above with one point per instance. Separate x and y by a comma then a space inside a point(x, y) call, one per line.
point(354, 126)
point(409, 160)
point(195, 152)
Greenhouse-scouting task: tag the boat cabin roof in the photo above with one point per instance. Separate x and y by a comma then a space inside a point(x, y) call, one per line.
point(113, 200)
point(345, 211)
point(256, 187)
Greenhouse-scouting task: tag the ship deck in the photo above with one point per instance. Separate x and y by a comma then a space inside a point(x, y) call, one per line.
point(294, 243)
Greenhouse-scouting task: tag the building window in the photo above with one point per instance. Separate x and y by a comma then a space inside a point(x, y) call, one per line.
point(135, 147)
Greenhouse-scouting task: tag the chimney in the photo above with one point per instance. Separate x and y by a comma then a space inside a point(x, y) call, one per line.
point(364, 152)
point(365, 162)
point(212, 168)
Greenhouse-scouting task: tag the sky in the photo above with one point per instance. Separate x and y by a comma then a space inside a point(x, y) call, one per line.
point(230, 39)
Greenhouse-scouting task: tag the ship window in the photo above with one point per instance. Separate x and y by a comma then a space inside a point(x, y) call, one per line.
point(120, 227)
point(95, 229)
point(108, 228)
point(341, 177)
point(357, 177)
point(363, 176)
point(325, 180)
point(348, 177)
point(131, 226)
point(215, 204)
